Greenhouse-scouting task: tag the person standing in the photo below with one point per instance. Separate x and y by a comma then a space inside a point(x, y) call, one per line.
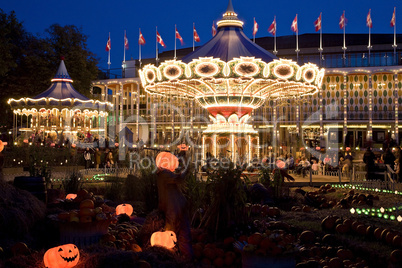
point(109, 160)
point(87, 158)
point(97, 158)
point(368, 159)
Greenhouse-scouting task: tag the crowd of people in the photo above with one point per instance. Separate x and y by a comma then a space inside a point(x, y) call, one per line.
point(95, 156)
point(320, 163)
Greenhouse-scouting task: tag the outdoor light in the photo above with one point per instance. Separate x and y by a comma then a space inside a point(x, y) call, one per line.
point(352, 210)
point(382, 210)
point(399, 218)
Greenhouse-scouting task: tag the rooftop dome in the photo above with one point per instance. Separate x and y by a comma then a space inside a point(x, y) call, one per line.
point(230, 42)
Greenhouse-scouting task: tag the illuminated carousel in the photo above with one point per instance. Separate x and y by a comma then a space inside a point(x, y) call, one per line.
point(230, 76)
point(60, 111)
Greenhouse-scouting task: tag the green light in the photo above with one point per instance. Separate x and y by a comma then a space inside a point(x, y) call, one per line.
point(359, 212)
point(372, 214)
point(366, 213)
point(392, 217)
point(379, 215)
point(386, 216)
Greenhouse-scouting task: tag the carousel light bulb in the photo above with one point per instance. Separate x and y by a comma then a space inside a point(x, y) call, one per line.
point(352, 210)
point(399, 218)
point(382, 210)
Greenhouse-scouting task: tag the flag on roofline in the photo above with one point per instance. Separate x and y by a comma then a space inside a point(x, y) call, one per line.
point(141, 39)
point(108, 44)
point(272, 28)
point(178, 36)
point(393, 19)
point(317, 23)
point(196, 36)
point(125, 41)
point(342, 21)
point(255, 27)
point(213, 29)
point(294, 24)
point(369, 22)
point(159, 39)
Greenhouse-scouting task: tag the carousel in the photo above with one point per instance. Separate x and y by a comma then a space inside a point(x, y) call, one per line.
point(231, 76)
point(59, 114)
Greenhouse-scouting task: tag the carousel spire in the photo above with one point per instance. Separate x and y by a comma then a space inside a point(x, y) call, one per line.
point(230, 7)
point(62, 74)
point(230, 18)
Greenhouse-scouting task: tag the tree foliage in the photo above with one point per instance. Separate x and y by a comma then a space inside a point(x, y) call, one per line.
point(28, 62)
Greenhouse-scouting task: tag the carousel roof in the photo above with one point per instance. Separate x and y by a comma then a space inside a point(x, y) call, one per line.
point(230, 42)
point(60, 95)
point(61, 87)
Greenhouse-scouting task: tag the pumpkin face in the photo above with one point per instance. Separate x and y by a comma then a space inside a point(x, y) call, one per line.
point(165, 239)
point(167, 161)
point(71, 196)
point(124, 209)
point(63, 256)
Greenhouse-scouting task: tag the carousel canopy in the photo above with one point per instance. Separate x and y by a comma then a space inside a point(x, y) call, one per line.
point(61, 87)
point(230, 42)
point(60, 95)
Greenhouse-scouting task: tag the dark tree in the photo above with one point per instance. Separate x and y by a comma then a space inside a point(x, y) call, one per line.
point(69, 42)
point(29, 62)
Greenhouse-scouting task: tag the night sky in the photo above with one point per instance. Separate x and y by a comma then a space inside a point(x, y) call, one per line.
point(98, 18)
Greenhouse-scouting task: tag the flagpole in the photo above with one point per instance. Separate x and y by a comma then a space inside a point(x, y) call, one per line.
point(193, 36)
point(395, 45)
point(156, 45)
point(108, 60)
point(320, 49)
point(124, 55)
point(344, 42)
point(254, 31)
point(124, 51)
point(297, 39)
point(175, 30)
point(369, 44)
point(275, 37)
point(139, 49)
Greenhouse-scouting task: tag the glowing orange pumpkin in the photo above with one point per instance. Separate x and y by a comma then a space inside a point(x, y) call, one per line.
point(167, 161)
point(124, 209)
point(280, 164)
point(63, 256)
point(165, 239)
point(1, 146)
point(71, 196)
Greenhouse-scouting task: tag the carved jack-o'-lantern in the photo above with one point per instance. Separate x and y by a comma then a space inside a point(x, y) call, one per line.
point(165, 239)
point(124, 209)
point(63, 256)
point(167, 161)
point(1, 145)
point(71, 196)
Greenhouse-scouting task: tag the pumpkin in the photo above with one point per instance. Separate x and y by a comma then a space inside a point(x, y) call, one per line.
point(1, 146)
point(165, 239)
point(124, 209)
point(167, 161)
point(63, 256)
point(71, 196)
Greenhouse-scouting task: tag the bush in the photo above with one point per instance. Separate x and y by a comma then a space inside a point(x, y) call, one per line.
point(19, 211)
point(225, 200)
point(72, 183)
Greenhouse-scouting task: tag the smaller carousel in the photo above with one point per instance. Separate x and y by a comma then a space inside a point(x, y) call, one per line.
point(59, 115)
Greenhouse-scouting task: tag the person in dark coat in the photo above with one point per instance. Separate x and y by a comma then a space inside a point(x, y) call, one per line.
point(389, 158)
point(368, 159)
